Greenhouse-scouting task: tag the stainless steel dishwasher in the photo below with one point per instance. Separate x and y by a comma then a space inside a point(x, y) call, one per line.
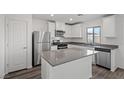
point(103, 57)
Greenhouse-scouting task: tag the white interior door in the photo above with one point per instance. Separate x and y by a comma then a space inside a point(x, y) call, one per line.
point(17, 47)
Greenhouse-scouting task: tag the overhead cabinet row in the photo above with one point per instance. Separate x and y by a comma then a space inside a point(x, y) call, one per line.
point(69, 30)
point(75, 31)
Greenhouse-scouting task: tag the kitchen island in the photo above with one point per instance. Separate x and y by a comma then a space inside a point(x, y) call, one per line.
point(71, 63)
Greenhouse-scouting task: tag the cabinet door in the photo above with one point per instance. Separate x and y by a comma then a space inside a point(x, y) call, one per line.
point(60, 26)
point(51, 28)
point(67, 31)
point(76, 30)
point(54, 47)
point(109, 26)
point(73, 31)
point(73, 46)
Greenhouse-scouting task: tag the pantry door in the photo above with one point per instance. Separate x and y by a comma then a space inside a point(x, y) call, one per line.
point(16, 45)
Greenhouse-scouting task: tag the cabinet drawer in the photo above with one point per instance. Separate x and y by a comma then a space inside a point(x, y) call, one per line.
point(53, 47)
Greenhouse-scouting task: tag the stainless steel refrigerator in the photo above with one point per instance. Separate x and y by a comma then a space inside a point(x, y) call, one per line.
point(41, 42)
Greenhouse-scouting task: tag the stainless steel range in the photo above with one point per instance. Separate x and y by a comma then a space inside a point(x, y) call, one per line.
point(62, 46)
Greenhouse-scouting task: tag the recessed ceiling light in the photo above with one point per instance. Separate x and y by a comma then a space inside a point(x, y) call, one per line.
point(52, 15)
point(70, 19)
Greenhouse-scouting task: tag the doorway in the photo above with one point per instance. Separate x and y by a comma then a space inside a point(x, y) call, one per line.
point(16, 45)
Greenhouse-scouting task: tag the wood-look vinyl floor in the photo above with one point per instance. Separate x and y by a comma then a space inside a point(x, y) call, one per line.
point(103, 73)
point(35, 73)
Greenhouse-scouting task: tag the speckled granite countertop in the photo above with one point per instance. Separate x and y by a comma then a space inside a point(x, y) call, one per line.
point(104, 46)
point(58, 57)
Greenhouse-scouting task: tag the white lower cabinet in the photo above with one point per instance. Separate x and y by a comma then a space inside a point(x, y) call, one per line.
point(54, 47)
point(66, 71)
point(74, 46)
point(79, 46)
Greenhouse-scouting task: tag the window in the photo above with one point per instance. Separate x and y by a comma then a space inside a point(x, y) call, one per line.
point(94, 35)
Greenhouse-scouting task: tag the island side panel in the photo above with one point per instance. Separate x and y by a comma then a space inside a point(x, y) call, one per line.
point(46, 69)
point(77, 69)
point(113, 60)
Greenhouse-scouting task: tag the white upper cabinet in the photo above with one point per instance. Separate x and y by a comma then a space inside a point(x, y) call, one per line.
point(67, 31)
point(109, 26)
point(70, 30)
point(73, 31)
point(51, 29)
point(60, 26)
point(76, 31)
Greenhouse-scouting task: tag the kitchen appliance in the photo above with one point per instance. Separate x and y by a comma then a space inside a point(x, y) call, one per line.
point(59, 33)
point(62, 46)
point(40, 42)
point(103, 57)
point(55, 42)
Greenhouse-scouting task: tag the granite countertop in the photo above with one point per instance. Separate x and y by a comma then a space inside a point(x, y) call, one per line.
point(58, 57)
point(104, 46)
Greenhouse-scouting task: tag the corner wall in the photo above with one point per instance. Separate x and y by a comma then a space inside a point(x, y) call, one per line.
point(2, 55)
point(39, 25)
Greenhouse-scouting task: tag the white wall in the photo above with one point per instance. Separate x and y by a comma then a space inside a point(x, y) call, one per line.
point(2, 46)
point(39, 25)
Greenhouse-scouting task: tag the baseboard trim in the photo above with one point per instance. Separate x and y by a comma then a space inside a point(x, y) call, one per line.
point(29, 67)
point(2, 76)
point(121, 67)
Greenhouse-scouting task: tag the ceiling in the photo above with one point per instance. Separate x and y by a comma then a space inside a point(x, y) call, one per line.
point(66, 17)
